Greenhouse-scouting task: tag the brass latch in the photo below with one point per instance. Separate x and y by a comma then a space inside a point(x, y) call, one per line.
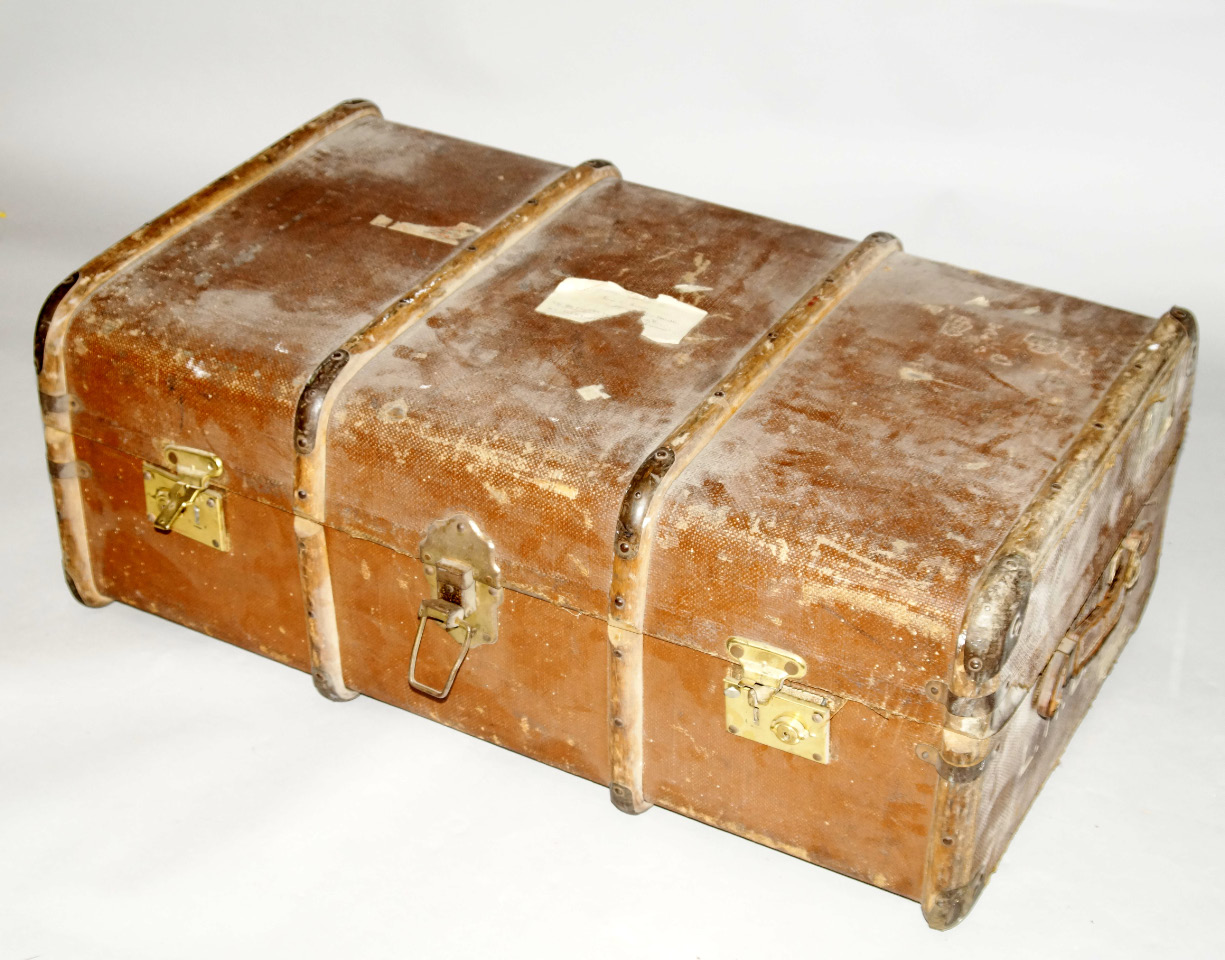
point(465, 592)
point(759, 709)
point(182, 501)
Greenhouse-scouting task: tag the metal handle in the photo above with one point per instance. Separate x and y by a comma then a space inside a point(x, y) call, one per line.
point(1085, 639)
point(450, 616)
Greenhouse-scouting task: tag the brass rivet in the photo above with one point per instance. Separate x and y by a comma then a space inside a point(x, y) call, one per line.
point(736, 651)
point(732, 730)
point(791, 669)
point(975, 663)
point(618, 722)
point(301, 494)
point(172, 457)
point(618, 601)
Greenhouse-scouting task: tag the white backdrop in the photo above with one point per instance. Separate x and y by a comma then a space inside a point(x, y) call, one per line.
point(163, 795)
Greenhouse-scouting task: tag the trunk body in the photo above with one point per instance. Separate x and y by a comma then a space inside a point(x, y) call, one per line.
point(731, 516)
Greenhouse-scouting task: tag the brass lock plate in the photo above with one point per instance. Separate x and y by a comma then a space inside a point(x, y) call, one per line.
point(458, 562)
point(199, 511)
point(758, 709)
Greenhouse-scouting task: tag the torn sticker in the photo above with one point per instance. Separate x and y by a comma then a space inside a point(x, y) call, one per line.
point(664, 319)
point(451, 235)
point(595, 391)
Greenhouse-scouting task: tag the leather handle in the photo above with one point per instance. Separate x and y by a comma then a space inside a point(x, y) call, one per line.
point(1085, 639)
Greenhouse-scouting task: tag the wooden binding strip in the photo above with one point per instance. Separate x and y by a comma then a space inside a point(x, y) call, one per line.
point(324, 386)
point(649, 487)
point(54, 320)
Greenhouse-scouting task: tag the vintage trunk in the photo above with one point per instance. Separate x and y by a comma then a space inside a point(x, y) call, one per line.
point(732, 516)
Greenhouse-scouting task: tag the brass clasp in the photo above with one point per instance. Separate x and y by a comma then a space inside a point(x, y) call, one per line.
point(180, 499)
point(758, 708)
point(465, 593)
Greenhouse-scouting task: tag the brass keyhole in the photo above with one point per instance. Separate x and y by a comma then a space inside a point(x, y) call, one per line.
point(789, 730)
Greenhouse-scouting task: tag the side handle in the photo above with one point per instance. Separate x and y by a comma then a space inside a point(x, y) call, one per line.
point(1088, 635)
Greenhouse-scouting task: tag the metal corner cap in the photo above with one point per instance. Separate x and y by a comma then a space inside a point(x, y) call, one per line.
point(995, 614)
point(884, 236)
point(360, 105)
point(623, 799)
point(947, 908)
point(636, 504)
point(79, 596)
point(47, 314)
point(311, 399)
point(1187, 320)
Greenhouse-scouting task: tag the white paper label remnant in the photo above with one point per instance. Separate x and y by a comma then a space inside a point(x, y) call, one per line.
point(595, 391)
point(451, 235)
point(664, 319)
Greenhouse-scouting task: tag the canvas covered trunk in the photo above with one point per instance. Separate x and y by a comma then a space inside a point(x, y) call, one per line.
point(810, 539)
